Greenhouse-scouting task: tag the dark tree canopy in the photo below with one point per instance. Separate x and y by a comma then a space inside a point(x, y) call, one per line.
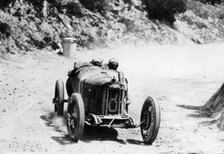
point(164, 9)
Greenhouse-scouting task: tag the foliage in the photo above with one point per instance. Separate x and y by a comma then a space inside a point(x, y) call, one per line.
point(27, 25)
point(164, 9)
point(5, 3)
point(97, 5)
point(5, 30)
point(73, 8)
point(37, 3)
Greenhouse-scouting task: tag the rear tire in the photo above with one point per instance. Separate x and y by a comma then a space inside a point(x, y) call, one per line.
point(59, 98)
point(69, 87)
point(150, 116)
point(75, 117)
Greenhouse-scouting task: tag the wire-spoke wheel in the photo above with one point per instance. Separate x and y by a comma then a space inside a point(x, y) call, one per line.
point(150, 118)
point(75, 117)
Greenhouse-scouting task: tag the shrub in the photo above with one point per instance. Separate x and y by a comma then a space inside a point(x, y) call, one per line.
point(5, 30)
point(37, 6)
point(97, 5)
point(5, 3)
point(164, 9)
point(221, 16)
point(73, 8)
point(37, 3)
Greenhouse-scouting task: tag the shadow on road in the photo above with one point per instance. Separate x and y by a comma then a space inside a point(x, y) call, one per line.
point(199, 111)
point(190, 107)
point(100, 134)
point(89, 134)
point(136, 142)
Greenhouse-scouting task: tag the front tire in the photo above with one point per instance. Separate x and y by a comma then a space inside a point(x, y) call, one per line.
point(150, 118)
point(75, 117)
point(59, 98)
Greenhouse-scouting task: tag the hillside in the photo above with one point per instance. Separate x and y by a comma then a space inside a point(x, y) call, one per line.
point(27, 25)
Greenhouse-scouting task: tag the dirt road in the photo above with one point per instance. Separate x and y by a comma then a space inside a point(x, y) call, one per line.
point(172, 75)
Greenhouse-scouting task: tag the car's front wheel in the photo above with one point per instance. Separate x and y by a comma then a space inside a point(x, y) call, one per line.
point(75, 117)
point(150, 118)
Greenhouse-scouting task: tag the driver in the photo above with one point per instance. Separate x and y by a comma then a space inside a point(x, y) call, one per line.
point(113, 64)
point(96, 62)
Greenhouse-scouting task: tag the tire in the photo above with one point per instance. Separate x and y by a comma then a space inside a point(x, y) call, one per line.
point(59, 98)
point(75, 117)
point(150, 116)
point(69, 87)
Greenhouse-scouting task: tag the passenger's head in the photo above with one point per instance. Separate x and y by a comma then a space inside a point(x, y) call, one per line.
point(97, 62)
point(113, 64)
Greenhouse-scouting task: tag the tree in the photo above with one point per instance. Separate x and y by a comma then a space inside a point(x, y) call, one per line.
point(164, 9)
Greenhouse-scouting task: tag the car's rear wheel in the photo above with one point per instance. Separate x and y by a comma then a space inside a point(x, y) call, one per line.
point(150, 118)
point(75, 117)
point(59, 98)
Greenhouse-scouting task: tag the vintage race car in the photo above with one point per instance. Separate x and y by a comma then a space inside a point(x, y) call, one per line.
point(99, 97)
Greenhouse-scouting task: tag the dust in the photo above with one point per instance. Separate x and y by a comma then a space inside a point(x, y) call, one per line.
point(59, 124)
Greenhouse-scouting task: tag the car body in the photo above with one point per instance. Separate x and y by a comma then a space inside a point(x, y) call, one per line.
point(99, 97)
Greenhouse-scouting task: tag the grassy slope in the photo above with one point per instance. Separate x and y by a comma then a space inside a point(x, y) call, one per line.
point(29, 30)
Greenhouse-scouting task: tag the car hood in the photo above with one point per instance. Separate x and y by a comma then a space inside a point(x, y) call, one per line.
point(98, 76)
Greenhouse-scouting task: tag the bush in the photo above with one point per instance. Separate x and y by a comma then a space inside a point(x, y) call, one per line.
point(5, 30)
point(5, 3)
point(73, 8)
point(37, 3)
point(97, 5)
point(164, 9)
point(37, 6)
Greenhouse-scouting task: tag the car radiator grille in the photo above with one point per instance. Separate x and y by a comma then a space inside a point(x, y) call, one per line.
point(112, 101)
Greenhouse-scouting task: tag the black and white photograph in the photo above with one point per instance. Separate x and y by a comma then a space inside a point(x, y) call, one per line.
point(112, 76)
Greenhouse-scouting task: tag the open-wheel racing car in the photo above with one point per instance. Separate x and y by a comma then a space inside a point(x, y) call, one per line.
point(99, 97)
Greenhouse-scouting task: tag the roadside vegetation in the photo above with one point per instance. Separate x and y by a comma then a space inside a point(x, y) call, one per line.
point(29, 25)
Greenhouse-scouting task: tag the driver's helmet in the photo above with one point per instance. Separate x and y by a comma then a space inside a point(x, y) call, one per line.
point(113, 64)
point(97, 62)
